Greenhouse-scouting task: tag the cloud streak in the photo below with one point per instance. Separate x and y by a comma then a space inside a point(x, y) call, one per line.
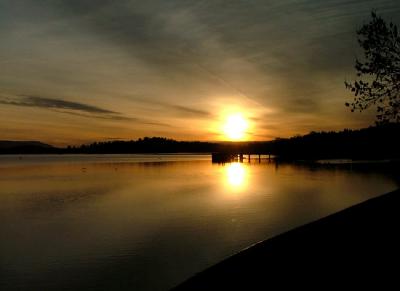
point(75, 108)
point(176, 110)
point(50, 103)
point(188, 111)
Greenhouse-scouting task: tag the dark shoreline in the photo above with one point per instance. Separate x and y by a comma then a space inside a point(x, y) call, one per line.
point(356, 247)
point(375, 142)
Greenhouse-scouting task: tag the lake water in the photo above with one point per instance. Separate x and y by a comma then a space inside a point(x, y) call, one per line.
point(135, 222)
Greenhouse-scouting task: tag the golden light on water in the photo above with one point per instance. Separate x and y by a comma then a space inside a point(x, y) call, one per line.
point(236, 176)
point(235, 127)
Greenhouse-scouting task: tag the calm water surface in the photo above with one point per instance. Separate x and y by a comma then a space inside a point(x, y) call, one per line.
point(134, 222)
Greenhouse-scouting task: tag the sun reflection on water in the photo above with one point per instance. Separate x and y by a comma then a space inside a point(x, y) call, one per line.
point(236, 176)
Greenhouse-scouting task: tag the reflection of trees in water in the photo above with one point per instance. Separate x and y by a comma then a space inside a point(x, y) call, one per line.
point(384, 168)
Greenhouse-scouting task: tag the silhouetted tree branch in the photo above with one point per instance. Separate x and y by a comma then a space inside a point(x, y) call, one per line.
point(379, 73)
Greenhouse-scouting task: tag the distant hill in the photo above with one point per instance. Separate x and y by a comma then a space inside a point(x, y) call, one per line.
point(7, 144)
point(25, 147)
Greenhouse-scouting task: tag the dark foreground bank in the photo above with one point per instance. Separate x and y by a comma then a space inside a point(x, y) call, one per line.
point(357, 247)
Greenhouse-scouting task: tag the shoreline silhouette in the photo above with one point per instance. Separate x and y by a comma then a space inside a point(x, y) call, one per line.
point(372, 143)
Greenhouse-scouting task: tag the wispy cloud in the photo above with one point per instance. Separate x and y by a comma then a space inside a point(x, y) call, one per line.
point(177, 110)
point(97, 116)
point(74, 108)
point(50, 103)
point(188, 111)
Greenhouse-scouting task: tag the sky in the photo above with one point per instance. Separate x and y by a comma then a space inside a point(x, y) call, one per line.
point(77, 71)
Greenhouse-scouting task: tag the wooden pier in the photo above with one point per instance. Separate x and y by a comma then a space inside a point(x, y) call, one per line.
point(221, 157)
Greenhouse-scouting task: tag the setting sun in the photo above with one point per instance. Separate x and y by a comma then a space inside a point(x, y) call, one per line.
point(235, 127)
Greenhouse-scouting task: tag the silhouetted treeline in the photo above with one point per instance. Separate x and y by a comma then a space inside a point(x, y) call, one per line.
point(145, 145)
point(164, 145)
point(142, 145)
point(377, 142)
